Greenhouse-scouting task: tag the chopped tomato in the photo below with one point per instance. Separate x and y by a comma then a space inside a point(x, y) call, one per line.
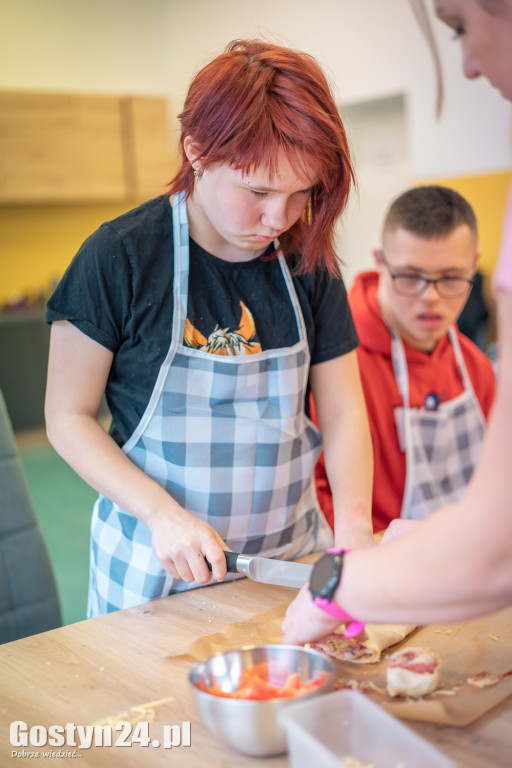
point(255, 684)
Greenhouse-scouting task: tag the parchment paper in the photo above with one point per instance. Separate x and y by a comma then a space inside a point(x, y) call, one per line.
point(466, 649)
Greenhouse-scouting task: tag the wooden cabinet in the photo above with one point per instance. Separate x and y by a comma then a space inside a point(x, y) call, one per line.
point(146, 145)
point(58, 148)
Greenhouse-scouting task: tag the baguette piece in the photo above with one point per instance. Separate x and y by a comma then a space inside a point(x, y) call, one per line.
point(367, 647)
point(412, 672)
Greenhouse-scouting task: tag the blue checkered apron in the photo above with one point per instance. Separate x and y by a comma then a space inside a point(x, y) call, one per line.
point(229, 440)
point(442, 446)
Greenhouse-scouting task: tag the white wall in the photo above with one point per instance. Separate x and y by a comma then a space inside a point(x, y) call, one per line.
point(96, 46)
point(370, 48)
point(380, 152)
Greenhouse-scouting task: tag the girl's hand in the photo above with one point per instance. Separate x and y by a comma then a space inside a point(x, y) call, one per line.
point(305, 622)
point(181, 543)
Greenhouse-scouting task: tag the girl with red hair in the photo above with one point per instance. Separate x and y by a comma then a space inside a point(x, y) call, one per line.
point(206, 316)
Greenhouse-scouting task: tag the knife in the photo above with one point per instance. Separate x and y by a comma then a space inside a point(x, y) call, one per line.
point(282, 573)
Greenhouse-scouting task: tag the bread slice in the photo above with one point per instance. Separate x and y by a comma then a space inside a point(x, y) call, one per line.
point(412, 672)
point(367, 647)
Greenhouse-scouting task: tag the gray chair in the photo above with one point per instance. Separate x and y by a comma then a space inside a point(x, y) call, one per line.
point(29, 601)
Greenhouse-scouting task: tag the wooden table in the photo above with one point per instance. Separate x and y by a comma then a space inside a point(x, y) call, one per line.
point(84, 672)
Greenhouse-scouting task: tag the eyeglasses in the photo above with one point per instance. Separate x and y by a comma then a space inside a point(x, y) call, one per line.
point(410, 284)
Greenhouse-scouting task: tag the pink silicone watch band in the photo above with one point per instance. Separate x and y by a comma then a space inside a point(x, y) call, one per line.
point(353, 627)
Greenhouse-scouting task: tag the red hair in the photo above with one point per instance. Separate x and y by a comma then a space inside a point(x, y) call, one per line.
point(256, 100)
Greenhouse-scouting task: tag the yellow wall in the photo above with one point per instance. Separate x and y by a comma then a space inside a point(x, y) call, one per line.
point(37, 242)
point(487, 194)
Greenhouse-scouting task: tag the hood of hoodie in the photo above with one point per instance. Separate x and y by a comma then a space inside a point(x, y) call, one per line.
point(373, 332)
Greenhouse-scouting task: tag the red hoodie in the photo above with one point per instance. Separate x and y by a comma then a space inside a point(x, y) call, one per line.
point(435, 371)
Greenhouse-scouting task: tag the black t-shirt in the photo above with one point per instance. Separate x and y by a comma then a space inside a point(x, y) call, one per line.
point(473, 317)
point(118, 290)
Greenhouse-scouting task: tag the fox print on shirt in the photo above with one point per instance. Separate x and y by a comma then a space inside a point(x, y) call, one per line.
point(225, 341)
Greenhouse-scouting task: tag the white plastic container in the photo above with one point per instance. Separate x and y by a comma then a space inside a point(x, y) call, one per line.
point(323, 731)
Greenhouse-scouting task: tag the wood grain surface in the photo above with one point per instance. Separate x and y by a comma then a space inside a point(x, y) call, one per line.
point(85, 672)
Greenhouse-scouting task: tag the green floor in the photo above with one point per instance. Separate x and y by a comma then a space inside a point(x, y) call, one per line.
point(63, 505)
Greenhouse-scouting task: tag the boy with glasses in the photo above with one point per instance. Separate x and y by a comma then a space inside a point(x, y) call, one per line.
point(428, 388)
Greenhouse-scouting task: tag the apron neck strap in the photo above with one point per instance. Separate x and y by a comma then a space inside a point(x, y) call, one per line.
point(400, 362)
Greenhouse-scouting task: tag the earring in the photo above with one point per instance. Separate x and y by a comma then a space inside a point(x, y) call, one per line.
point(198, 172)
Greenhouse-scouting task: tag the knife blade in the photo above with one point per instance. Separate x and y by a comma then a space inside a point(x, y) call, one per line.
point(266, 570)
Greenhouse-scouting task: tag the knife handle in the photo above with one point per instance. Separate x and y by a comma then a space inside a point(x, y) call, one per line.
point(231, 558)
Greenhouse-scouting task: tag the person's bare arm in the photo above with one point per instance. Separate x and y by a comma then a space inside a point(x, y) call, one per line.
point(77, 374)
point(343, 421)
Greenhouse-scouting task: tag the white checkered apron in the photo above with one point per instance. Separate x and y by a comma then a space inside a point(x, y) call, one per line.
point(229, 440)
point(442, 446)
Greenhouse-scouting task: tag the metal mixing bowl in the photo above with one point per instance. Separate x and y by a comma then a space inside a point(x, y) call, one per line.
point(246, 725)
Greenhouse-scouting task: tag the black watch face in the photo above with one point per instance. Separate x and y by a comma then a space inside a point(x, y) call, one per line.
point(325, 576)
